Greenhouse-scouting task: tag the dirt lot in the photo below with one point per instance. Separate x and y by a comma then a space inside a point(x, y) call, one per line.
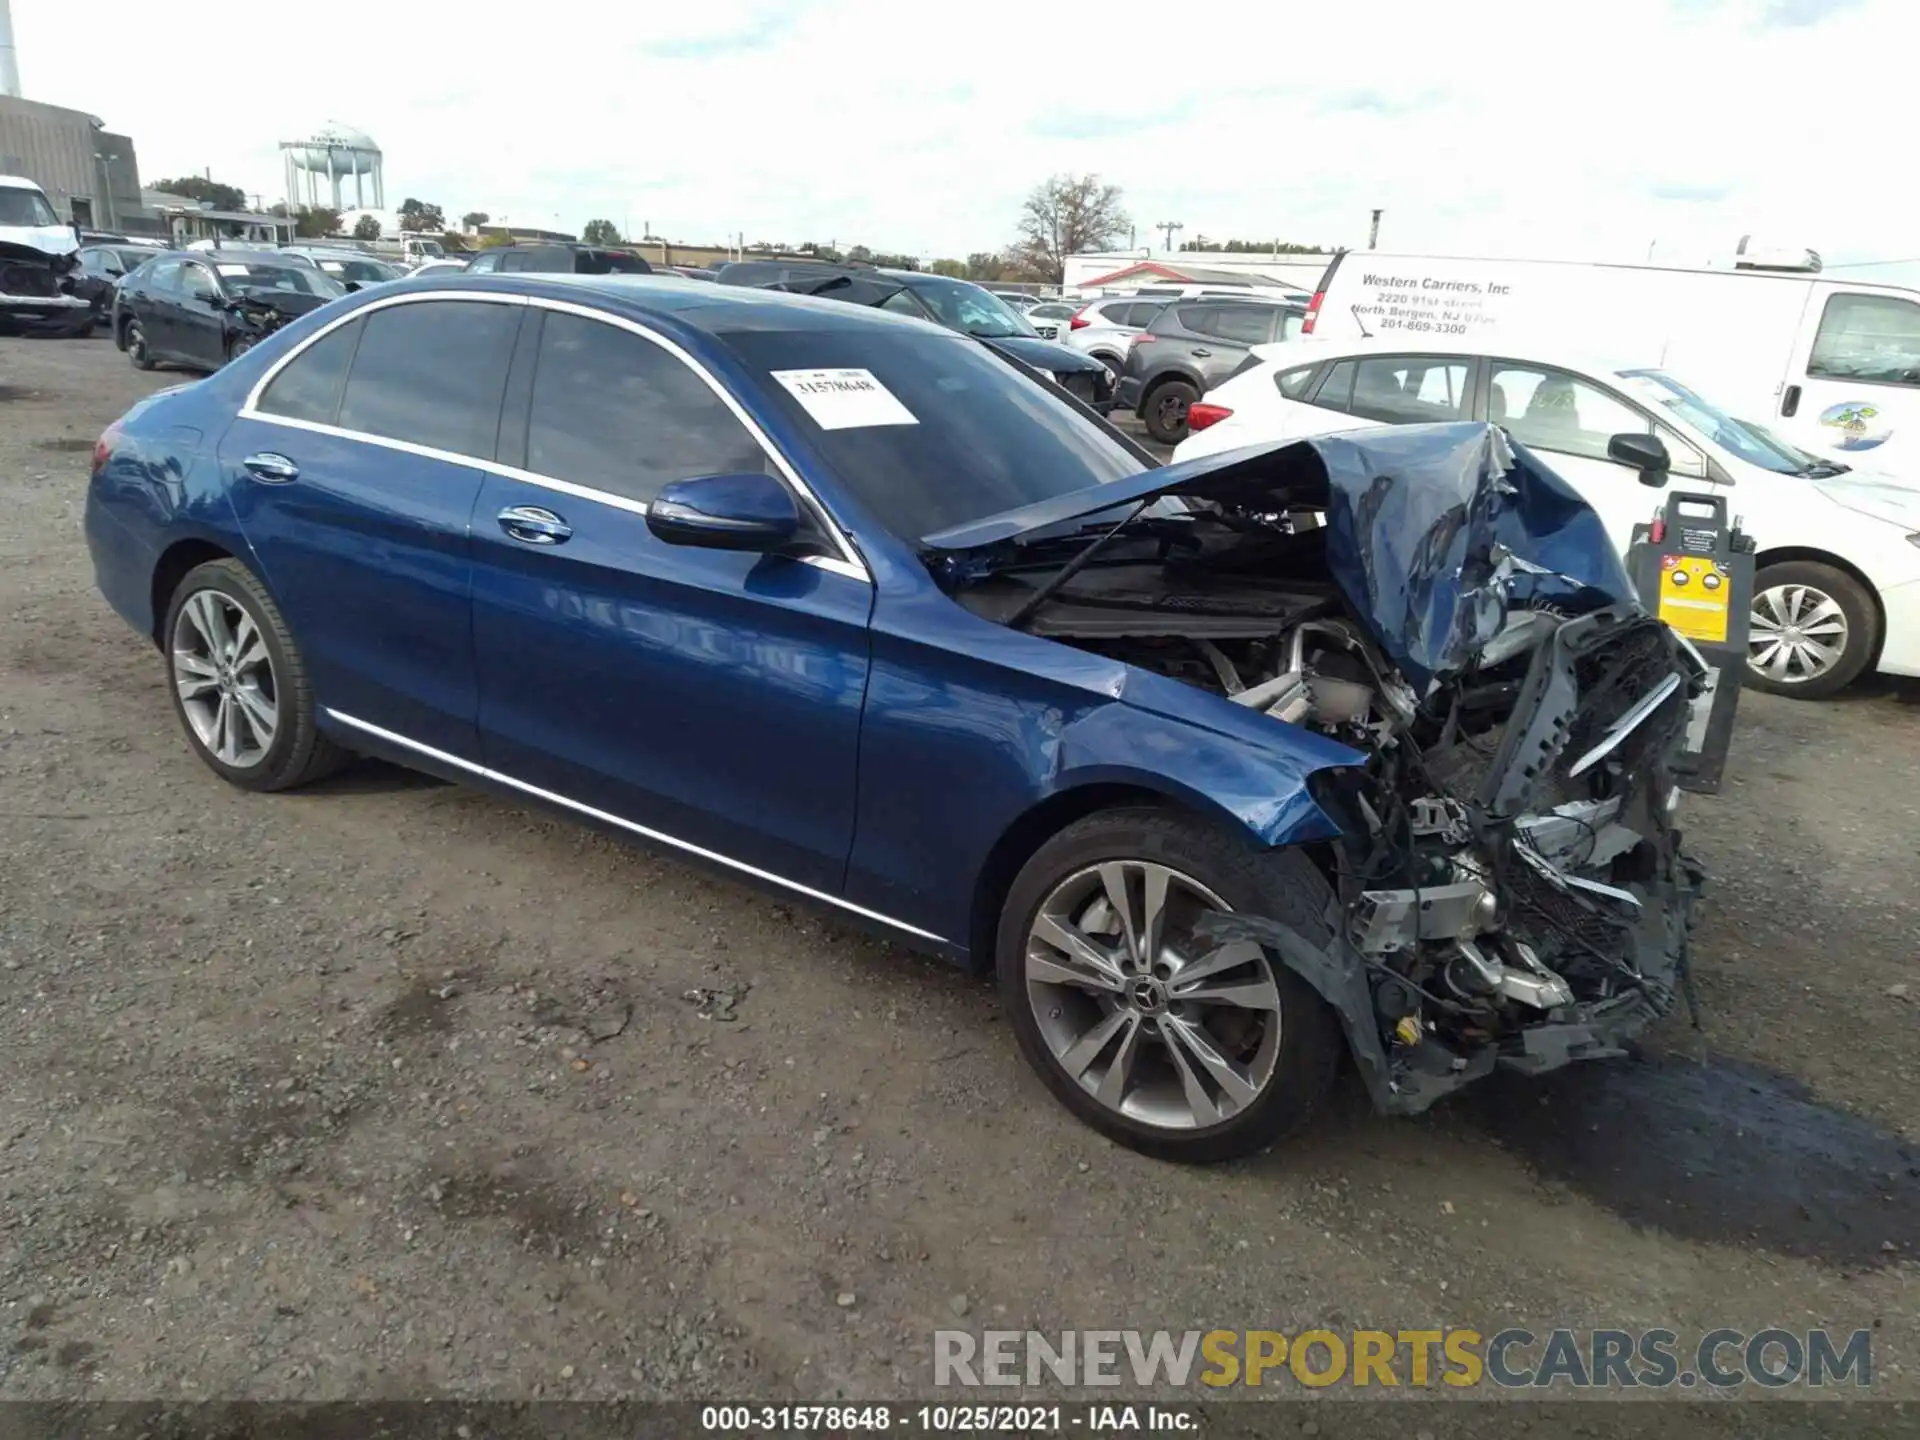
point(388, 1088)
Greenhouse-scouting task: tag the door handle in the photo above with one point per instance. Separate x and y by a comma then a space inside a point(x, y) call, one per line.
point(533, 525)
point(273, 469)
point(1203, 354)
point(1790, 402)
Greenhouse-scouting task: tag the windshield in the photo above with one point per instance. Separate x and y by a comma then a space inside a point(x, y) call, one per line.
point(257, 278)
point(366, 272)
point(25, 207)
point(984, 436)
point(961, 306)
point(1740, 438)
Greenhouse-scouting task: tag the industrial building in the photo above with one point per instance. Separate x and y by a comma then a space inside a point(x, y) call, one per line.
point(90, 174)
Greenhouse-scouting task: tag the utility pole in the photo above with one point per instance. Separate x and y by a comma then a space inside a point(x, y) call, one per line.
point(1167, 227)
point(1373, 231)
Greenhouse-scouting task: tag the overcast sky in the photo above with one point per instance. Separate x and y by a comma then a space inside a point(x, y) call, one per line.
point(1479, 126)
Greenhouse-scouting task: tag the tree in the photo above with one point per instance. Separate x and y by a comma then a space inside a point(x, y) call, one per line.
point(198, 187)
point(366, 228)
point(312, 221)
point(1066, 215)
point(952, 269)
point(601, 232)
point(984, 265)
point(417, 215)
point(474, 219)
point(494, 242)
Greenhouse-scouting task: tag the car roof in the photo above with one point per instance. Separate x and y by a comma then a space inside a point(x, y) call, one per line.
point(1564, 357)
point(696, 305)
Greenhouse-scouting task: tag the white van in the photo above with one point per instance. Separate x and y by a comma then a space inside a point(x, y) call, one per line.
point(1831, 365)
point(41, 259)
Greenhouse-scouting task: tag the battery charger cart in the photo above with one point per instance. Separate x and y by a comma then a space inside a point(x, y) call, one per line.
point(1694, 569)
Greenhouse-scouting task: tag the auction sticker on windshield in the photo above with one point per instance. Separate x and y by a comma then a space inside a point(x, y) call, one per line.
point(231, 269)
point(844, 399)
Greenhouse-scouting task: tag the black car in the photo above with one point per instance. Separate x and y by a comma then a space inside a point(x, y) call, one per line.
point(101, 266)
point(203, 307)
point(1190, 347)
point(956, 304)
point(559, 259)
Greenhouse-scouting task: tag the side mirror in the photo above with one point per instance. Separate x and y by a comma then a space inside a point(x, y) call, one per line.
point(1645, 453)
point(726, 512)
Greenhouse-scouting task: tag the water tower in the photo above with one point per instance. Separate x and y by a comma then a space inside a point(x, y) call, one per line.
point(337, 153)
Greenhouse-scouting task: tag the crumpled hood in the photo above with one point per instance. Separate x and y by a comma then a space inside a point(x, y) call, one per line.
point(1868, 492)
point(1433, 531)
point(1043, 354)
point(57, 241)
point(288, 304)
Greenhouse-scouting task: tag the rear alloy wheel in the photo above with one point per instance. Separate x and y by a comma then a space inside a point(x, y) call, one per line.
point(1174, 1045)
point(239, 685)
point(1812, 630)
point(137, 350)
point(1164, 411)
point(239, 346)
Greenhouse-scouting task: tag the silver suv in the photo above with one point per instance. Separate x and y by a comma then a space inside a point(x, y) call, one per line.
point(1104, 326)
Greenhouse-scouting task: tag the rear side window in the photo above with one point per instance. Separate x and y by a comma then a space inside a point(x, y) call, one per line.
point(1403, 390)
point(615, 412)
point(431, 373)
point(1875, 338)
point(1336, 391)
point(1293, 383)
point(483, 264)
point(1245, 324)
point(309, 387)
point(1143, 312)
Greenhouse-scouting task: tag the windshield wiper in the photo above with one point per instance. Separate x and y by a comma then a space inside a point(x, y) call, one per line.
point(1823, 470)
point(1074, 566)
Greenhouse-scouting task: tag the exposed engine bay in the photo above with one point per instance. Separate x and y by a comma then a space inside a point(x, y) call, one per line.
point(38, 294)
point(1509, 882)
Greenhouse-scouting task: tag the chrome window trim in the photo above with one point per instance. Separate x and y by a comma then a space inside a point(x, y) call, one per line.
point(607, 817)
point(849, 561)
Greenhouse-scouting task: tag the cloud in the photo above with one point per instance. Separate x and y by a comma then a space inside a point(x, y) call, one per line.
point(1673, 120)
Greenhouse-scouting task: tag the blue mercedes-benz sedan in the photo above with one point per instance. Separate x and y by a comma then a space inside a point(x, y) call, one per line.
point(1226, 769)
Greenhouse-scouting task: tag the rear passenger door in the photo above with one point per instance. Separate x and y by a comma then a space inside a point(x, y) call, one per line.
point(705, 697)
point(350, 471)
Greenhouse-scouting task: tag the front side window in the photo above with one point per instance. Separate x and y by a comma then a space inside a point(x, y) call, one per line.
point(431, 373)
point(1552, 410)
point(309, 387)
point(165, 275)
point(1875, 338)
point(985, 436)
point(613, 411)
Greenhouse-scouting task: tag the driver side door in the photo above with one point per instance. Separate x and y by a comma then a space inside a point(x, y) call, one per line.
point(200, 318)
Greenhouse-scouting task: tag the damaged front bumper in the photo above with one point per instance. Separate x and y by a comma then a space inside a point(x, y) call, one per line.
point(36, 294)
point(1548, 915)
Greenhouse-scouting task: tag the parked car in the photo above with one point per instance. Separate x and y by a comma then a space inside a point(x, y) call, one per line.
point(1104, 328)
point(852, 609)
point(1830, 364)
point(1021, 300)
point(351, 268)
point(1049, 318)
point(559, 259)
point(38, 267)
point(449, 266)
point(1191, 346)
point(204, 308)
point(695, 272)
point(101, 268)
point(957, 304)
point(1837, 586)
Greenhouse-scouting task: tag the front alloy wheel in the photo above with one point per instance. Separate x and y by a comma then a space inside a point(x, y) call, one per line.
point(1153, 1023)
point(1178, 1046)
point(137, 350)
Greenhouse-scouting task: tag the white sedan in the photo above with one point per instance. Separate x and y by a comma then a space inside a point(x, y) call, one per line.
point(1837, 583)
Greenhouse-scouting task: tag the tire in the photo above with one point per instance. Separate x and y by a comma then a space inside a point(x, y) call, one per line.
point(294, 751)
point(239, 346)
point(1293, 1055)
point(135, 335)
point(1801, 610)
point(1163, 410)
point(1113, 364)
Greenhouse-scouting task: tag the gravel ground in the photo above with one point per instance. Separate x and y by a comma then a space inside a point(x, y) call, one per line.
point(388, 1088)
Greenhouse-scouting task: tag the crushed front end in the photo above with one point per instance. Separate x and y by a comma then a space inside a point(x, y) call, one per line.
point(39, 292)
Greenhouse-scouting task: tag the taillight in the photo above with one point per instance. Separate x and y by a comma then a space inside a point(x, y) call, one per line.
point(103, 447)
point(1200, 415)
point(1313, 311)
point(1079, 321)
point(1143, 338)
